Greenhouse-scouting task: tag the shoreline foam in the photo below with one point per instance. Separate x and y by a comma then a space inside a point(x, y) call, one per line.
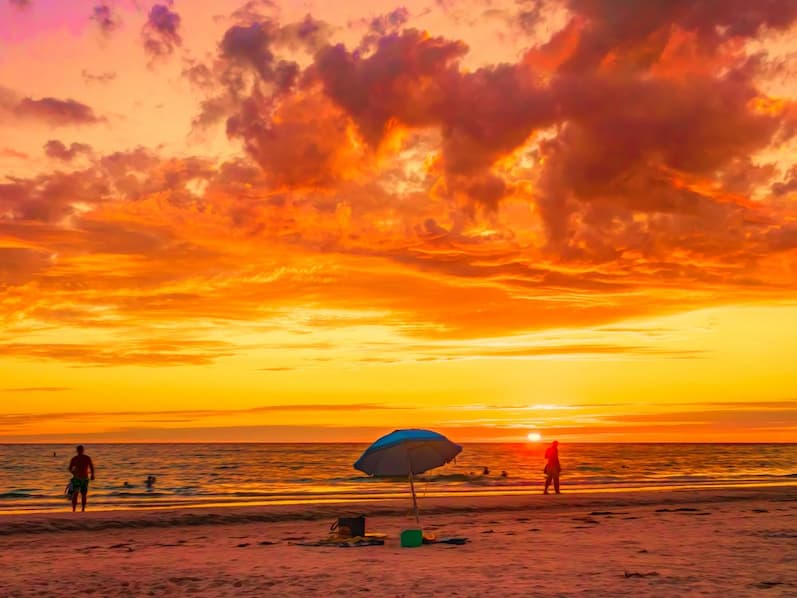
point(97, 520)
point(312, 498)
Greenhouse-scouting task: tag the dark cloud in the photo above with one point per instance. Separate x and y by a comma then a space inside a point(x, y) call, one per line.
point(161, 31)
point(492, 111)
point(406, 78)
point(415, 80)
point(254, 11)
point(788, 185)
point(200, 75)
point(106, 19)
point(308, 34)
point(530, 13)
point(51, 198)
point(56, 112)
point(303, 143)
point(382, 25)
point(637, 32)
point(56, 149)
point(487, 189)
point(250, 46)
point(644, 155)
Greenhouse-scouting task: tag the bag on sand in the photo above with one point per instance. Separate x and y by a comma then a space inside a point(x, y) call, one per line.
point(349, 527)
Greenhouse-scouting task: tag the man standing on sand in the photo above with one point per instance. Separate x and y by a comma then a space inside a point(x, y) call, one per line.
point(79, 467)
point(552, 467)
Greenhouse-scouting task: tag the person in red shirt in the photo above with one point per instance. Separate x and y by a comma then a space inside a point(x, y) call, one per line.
point(79, 467)
point(552, 468)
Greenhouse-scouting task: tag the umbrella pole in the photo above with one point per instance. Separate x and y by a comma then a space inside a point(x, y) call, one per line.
point(414, 500)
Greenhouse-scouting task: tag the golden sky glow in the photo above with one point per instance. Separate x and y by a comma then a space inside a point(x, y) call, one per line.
point(322, 221)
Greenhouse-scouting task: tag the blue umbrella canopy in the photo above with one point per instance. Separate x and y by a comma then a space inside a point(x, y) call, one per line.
point(407, 452)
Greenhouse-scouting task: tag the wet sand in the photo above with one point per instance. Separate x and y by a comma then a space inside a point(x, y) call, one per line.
point(728, 542)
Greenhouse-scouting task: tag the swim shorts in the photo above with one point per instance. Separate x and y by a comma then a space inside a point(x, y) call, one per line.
point(80, 485)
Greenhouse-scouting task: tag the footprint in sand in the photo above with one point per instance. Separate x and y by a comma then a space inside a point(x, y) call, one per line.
point(635, 574)
point(586, 520)
point(765, 585)
point(183, 580)
point(678, 510)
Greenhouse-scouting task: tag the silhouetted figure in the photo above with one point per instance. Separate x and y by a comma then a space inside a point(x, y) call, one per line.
point(486, 471)
point(126, 485)
point(504, 474)
point(79, 467)
point(150, 481)
point(552, 468)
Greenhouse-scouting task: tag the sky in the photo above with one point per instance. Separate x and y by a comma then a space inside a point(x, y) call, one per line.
point(321, 221)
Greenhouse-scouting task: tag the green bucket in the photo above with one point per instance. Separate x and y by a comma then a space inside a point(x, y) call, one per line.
point(411, 538)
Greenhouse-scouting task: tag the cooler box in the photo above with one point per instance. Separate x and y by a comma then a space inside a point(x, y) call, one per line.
point(350, 527)
point(411, 538)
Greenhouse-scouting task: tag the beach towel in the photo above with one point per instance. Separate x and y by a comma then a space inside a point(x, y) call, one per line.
point(356, 541)
point(451, 540)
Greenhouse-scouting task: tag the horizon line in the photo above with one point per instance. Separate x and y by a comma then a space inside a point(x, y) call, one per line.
point(542, 442)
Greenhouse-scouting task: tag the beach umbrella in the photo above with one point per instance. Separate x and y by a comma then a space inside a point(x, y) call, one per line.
point(407, 453)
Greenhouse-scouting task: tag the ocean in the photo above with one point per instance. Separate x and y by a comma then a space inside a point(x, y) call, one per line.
point(33, 476)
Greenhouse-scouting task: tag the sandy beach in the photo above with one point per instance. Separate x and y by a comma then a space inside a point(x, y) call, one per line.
point(729, 542)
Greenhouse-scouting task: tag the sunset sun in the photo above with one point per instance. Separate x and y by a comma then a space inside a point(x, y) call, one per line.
point(534, 436)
